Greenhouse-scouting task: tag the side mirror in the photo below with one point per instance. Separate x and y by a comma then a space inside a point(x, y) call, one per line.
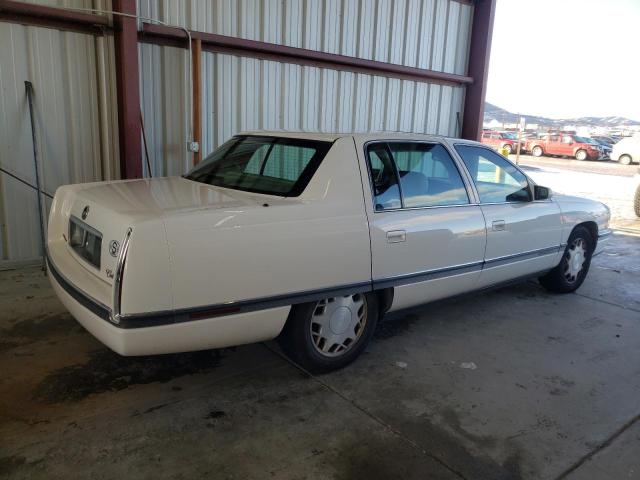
point(541, 193)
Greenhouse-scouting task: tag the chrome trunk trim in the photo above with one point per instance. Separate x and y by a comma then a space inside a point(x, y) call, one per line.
point(117, 281)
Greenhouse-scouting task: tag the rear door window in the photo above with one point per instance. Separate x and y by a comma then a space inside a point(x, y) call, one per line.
point(426, 173)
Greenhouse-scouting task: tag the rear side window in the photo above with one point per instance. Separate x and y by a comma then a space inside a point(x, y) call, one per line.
point(384, 178)
point(425, 172)
point(274, 166)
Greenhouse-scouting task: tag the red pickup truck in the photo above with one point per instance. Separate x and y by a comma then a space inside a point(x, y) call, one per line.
point(564, 144)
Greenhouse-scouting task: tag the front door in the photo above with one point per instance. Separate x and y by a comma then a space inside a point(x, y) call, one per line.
point(523, 235)
point(427, 238)
point(554, 145)
point(566, 146)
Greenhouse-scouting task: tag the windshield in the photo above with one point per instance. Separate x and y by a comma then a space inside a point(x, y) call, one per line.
point(269, 165)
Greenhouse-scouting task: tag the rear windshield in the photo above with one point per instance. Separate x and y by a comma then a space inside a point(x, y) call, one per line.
point(270, 165)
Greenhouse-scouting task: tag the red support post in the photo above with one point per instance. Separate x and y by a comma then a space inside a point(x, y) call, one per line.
point(479, 53)
point(128, 81)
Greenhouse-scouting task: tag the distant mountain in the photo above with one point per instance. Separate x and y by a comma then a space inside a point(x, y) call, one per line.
point(493, 112)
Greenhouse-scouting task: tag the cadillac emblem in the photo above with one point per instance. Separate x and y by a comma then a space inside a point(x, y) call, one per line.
point(114, 246)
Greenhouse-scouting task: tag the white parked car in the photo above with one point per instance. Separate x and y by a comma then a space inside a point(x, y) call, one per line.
point(310, 238)
point(627, 150)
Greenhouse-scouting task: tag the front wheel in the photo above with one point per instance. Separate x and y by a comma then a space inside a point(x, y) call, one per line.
point(331, 333)
point(536, 151)
point(508, 148)
point(581, 155)
point(625, 159)
point(569, 274)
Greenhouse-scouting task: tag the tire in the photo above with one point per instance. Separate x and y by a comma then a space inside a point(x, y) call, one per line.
point(569, 274)
point(303, 341)
point(508, 148)
point(636, 201)
point(536, 151)
point(581, 155)
point(625, 159)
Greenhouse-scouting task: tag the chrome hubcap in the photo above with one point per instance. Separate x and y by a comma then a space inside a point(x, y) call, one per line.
point(337, 324)
point(575, 257)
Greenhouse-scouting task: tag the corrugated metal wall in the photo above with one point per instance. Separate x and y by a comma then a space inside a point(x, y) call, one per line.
point(246, 94)
point(74, 79)
point(431, 34)
point(76, 137)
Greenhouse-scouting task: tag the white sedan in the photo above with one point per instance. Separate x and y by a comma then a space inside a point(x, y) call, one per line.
point(309, 238)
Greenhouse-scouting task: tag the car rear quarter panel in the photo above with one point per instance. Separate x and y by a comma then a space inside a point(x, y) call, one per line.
point(146, 284)
point(315, 241)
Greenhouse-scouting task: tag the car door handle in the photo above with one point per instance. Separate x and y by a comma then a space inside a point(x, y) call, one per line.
point(396, 236)
point(498, 225)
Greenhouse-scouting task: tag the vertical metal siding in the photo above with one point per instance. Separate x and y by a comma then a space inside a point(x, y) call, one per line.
point(241, 94)
point(62, 67)
point(423, 33)
point(78, 134)
point(249, 94)
point(418, 33)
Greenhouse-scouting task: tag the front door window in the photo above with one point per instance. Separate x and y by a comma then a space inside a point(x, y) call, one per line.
point(496, 179)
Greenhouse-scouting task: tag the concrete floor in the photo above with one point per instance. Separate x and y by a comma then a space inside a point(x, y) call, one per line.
point(514, 383)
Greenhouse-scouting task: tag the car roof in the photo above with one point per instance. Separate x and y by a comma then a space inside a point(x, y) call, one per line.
point(359, 137)
point(327, 137)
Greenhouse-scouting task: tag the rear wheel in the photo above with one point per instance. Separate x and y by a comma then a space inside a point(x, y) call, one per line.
point(581, 155)
point(569, 274)
point(536, 151)
point(625, 159)
point(331, 333)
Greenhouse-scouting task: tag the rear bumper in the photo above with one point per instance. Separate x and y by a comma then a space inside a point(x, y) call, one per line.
point(201, 334)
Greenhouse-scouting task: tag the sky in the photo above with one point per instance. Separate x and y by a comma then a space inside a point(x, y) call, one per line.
point(566, 58)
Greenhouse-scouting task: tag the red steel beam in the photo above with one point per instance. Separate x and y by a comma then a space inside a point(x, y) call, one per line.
point(196, 77)
point(175, 37)
point(52, 17)
point(480, 51)
point(128, 84)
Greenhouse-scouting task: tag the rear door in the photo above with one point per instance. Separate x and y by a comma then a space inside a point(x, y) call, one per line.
point(523, 235)
point(427, 235)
